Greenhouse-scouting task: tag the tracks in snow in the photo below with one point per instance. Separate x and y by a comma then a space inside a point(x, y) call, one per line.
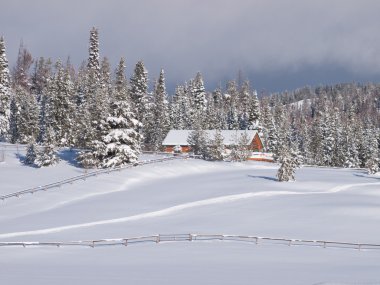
point(178, 208)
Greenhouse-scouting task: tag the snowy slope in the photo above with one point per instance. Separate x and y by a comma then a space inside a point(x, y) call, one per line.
point(190, 196)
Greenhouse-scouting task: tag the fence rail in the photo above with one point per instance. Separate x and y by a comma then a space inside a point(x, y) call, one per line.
point(166, 238)
point(84, 177)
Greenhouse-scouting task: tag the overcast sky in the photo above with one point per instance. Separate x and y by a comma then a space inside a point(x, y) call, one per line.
point(277, 44)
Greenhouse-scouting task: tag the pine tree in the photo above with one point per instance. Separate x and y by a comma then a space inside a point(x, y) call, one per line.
point(121, 142)
point(59, 107)
point(216, 147)
point(288, 164)
point(93, 64)
point(47, 156)
point(121, 84)
point(105, 75)
point(244, 100)
point(232, 106)
point(5, 93)
point(161, 112)
point(180, 110)
point(198, 141)
point(21, 76)
point(31, 154)
point(253, 112)
point(24, 117)
point(198, 92)
point(240, 150)
point(139, 91)
point(198, 101)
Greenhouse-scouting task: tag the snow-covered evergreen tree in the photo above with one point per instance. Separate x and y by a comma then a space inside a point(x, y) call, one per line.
point(139, 91)
point(121, 142)
point(198, 101)
point(93, 64)
point(31, 154)
point(180, 110)
point(121, 84)
point(216, 149)
point(253, 112)
point(161, 112)
point(105, 75)
point(198, 141)
point(5, 93)
point(288, 164)
point(20, 72)
point(240, 150)
point(232, 108)
point(24, 116)
point(59, 107)
point(351, 143)
point(197, 90)
point(47, 155)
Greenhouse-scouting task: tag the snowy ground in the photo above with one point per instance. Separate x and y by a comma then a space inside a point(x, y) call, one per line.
point(189, 196)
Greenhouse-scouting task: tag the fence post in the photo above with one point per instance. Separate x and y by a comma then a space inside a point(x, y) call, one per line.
point(125, 242)
point(158, 239)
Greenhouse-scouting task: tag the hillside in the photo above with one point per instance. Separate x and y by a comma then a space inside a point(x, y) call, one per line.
point(189, 196)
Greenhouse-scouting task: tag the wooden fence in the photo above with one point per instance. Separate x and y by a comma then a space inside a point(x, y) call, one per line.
point(166, 238)
point(84, 177)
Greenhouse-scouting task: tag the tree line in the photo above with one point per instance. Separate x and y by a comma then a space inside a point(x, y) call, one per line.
point(113, 118)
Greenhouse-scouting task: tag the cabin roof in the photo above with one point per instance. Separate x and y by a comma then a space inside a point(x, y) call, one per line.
point(230, 137)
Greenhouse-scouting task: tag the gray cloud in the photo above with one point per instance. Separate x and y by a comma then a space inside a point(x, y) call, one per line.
point(330, 41)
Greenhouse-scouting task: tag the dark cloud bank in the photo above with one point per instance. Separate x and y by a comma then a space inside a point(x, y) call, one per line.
point(278, 45)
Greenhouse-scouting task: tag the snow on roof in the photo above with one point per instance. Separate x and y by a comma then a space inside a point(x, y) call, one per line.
point(179, 137)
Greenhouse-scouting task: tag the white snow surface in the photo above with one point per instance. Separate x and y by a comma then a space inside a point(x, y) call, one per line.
point(230, 137)
point(189, 196)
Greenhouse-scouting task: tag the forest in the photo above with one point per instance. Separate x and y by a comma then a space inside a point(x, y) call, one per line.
point(111, 118)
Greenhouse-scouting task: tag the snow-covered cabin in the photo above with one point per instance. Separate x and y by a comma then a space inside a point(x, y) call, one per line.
point(230, 138)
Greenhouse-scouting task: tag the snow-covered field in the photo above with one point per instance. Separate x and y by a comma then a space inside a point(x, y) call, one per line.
point(189, 196)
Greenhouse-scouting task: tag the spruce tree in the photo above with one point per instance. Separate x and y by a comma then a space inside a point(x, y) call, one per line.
point(47, 155)
point(216, 146)
point(31, 154)
point(121, 84)
point(59, 107)
point(198, 141)
point(24, 117)
point(180, 110)
point(198, 101)
point(120, 143)
point(5, 93)
point(20, 74)
point(123, 141)
point(93, 64)
point(139, 90)
point(161, 112)
point(253, 112)
point(288, 164)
